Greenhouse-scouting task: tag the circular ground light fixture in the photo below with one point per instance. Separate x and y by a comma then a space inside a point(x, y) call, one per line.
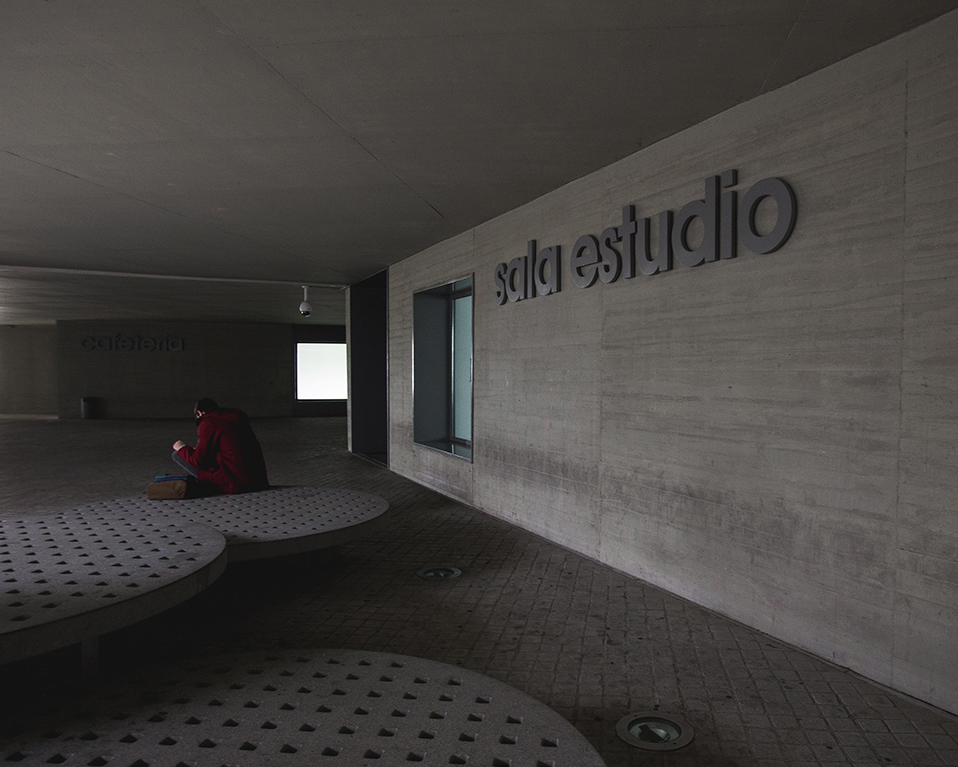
point(654, 731)
point(439, 573)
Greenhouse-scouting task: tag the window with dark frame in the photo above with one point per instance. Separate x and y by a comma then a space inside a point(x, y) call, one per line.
point(442, 368)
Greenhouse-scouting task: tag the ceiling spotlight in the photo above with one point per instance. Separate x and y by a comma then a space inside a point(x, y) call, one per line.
point(305, 308)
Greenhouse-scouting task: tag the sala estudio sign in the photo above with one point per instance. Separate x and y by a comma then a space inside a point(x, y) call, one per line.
point(625, 250)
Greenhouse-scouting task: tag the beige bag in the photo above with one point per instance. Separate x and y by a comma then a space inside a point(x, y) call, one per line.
point(172, 489)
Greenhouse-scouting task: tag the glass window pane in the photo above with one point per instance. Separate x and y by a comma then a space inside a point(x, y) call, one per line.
point(320, 371)
point(462, 368)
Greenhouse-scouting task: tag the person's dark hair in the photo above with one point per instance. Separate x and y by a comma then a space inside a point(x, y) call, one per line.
point(205, 405)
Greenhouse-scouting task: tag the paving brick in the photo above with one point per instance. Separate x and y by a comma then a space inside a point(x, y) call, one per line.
point(828, 754)
point(942, 742)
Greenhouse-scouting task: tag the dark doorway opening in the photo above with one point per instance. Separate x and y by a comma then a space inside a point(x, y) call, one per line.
point(368, 362)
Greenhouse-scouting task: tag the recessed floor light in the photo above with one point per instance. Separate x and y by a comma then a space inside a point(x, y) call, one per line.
point(654, 731)
point(439, 573)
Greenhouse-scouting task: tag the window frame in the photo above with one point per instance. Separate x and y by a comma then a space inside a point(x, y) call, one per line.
point(434, 402)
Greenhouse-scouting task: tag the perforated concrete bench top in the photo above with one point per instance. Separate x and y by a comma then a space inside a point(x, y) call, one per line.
point(78, 574)
point(269, 523)
point(329, 707)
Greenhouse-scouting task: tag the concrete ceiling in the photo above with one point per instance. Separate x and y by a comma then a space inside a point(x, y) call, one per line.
point(281, 142)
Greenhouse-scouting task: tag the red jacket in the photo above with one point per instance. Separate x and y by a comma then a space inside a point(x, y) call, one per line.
point(227, 453)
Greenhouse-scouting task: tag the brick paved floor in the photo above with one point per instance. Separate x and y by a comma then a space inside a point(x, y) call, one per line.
point(587, 641)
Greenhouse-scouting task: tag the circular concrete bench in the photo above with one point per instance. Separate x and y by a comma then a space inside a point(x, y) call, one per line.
point(69, 577)
point(269, 523)
point(335, 707)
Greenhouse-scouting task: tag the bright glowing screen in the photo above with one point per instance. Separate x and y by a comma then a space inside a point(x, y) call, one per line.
point(320, 371)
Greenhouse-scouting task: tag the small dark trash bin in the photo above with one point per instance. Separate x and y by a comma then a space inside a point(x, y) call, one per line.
point(88, 407)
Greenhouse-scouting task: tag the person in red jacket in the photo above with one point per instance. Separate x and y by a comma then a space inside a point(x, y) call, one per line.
point(227, 453)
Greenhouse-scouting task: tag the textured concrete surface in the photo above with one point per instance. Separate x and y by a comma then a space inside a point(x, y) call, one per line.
point(77, 574)
point(926, 618)
point(771, 436)
point(591, 643)
point(249, 363)
point(304, 708)
point(277, 522)
point(314, 142)
point(28, 369)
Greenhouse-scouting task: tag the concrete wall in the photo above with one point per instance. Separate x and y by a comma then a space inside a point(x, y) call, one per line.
point(28, 369)
point(159, 369)
point(771, 436)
